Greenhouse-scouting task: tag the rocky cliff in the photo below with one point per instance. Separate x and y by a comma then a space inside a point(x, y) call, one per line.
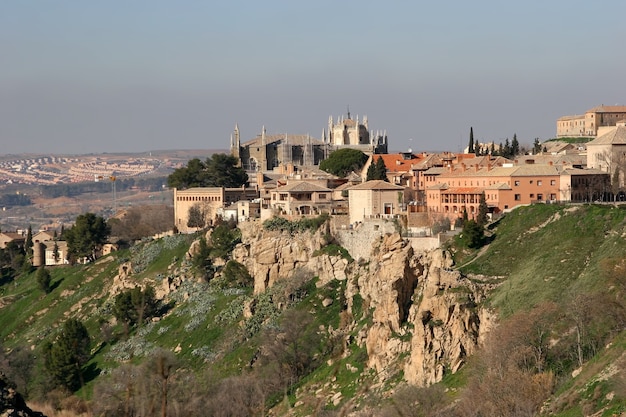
point(426, 317)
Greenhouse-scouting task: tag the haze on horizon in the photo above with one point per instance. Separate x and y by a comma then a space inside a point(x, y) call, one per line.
point(116, 76)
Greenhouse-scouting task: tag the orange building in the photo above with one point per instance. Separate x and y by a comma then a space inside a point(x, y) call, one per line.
point(459, 188)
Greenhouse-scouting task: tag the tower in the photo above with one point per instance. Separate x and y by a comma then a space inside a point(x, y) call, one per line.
point(235, 144)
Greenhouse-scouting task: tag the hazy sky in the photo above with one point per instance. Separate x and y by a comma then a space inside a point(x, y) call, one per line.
point(130, 76)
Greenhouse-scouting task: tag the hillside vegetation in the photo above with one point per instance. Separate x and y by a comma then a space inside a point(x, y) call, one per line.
point(212, 347)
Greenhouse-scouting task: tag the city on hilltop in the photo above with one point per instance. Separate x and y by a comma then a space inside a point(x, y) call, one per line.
point(287, 175)
point(348, 173)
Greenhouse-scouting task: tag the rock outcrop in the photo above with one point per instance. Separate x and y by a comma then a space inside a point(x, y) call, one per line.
point(271, 256)
point(426, 316)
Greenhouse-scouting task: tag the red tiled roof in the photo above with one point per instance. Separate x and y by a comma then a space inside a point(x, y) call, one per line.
point(395, 162)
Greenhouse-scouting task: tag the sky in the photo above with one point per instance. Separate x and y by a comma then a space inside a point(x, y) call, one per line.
point(133, 76)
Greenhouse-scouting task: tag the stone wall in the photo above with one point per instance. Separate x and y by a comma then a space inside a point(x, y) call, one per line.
point(360, 238)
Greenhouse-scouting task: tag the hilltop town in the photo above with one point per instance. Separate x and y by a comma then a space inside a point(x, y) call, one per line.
point(419, 188)
point(332, 286)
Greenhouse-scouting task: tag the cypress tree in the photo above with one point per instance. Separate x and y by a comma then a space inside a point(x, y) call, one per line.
point(482, 211)
point(471, 141)
point(28, 245)
point(514, 145)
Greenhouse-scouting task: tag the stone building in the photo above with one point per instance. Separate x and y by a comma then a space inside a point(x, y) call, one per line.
point(374, 199)
point(266, 152)
point(594, 122)
point(208, 200)
point(608, 151)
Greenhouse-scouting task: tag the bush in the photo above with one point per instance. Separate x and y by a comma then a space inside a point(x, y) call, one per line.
point(237, 275)
point(282, 224)
point(43, 279)
point(334, 250)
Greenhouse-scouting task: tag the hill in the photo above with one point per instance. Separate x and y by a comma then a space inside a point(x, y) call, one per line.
point(289, 324)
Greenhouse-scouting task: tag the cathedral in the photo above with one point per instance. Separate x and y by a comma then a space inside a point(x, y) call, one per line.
point(266, 152)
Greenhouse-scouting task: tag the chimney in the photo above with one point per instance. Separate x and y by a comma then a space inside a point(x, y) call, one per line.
point(550, 163)
point(475, 167)
point(463, 167)
point(488, 167)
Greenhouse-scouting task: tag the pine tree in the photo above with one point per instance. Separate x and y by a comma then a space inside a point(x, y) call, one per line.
point(536, 146)
point(471, 141)
point(65, 357)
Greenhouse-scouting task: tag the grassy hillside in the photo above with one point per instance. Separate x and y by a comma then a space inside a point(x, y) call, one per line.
point(557, 271)
point(549, 252)
point(561, 273)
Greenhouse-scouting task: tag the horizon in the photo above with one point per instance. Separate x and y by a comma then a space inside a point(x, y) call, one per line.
point(118, 77)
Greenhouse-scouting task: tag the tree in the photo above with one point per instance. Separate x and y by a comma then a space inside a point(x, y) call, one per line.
point(220, 170)
point(28, 244)
point(196, 217)
point(471, 149)
point(55, 251)
point(515, 150)
point(536, 147)
point(43, 279)
point(377, 170)
point(483, 209)
point(224, 240)
point(65, 357)
point(135, 306)
point(506, 150)
point(87, 235)
point(343, 161)
point(473, 235)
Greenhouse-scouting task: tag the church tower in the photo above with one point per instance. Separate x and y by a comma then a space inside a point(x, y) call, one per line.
point(235, 144)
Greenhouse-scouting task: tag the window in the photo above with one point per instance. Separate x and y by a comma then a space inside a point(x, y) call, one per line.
point(539, 197)
point(552, 182)
point(322, 196)
point(518, 197)
point(532, 196)
point(517, 182)
point(531, 181)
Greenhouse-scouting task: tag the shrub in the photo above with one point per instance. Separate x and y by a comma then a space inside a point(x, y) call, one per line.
point(237, 275)
point(282, 224)
point(43, 279)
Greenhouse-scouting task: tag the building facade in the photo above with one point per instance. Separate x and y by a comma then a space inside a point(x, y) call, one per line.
point(374, 198)
point(592, 123)
point(207, 200)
